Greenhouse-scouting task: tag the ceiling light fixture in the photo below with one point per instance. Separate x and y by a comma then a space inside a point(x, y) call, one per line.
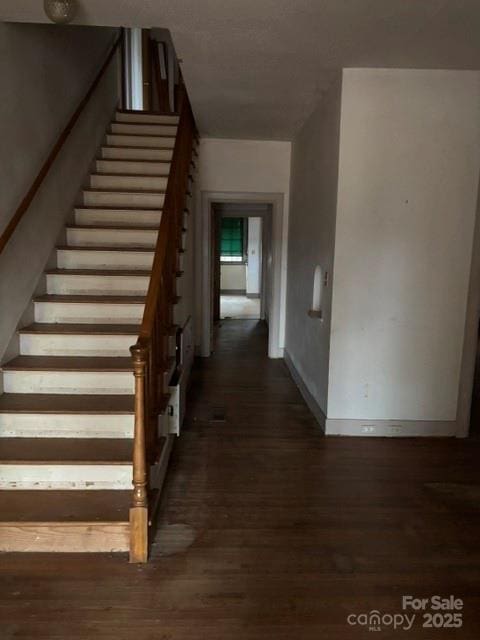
point(60, 11)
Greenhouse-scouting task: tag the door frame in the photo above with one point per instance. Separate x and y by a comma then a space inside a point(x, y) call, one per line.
point(216, 267)
point(273, 288)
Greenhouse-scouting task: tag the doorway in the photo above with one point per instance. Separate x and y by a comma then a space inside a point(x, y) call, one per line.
point(269, 207)
point(272, 295)
point(150, 70)
point(240, 232)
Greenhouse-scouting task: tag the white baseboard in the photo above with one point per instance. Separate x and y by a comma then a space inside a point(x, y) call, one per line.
point(371, 428)
point(390, 428)
point(310, 401)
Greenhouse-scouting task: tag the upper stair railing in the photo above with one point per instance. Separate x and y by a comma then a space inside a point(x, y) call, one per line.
point(150, 354)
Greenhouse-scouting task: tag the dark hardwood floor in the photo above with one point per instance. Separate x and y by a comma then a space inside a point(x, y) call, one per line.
point(269, 530)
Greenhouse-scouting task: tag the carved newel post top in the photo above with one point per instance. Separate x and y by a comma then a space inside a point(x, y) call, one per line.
point(139, 355)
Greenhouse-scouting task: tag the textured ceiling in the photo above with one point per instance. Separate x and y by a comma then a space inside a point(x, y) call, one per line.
point(257, 68)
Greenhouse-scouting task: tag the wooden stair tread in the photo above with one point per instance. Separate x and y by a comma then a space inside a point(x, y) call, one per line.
point(140, 148)
point(66, 450)
point(65, 506)
point(80, 329)
point(65, 403)
point(115, 227)
point(103, 207)
point(68, 363)
point(148, 124)
point(48, 297)
point(154, 192)
point(107, 248)
point(168, 136)
point(147, 160)
point(129, 175)
point(99, 272)
point(173, 114)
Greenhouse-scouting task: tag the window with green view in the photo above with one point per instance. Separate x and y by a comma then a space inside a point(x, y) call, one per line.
point(232, 240)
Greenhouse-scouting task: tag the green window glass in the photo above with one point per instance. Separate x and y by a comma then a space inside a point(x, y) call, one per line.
point(231, 238)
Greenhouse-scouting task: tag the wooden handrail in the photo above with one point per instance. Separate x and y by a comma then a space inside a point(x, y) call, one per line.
point(176, 189)
point(151, 358)
point(31, 193)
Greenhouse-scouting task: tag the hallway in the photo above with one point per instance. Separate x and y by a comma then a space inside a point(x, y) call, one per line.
point(267, 529)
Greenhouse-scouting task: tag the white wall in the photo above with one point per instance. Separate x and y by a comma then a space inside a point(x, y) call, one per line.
point(408, 177)
point(256, 168)
point(312, 240)
point(135, 70)
point(233, 277)
point(254, 251)
point(45, 70)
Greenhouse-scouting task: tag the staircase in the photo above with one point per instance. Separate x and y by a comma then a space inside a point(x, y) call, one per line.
point(67, 413)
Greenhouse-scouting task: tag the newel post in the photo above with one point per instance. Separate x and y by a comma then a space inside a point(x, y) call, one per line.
point(139, 509)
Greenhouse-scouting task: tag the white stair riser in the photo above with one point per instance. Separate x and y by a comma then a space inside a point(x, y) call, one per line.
point(119, 199)
point(117, 140)
point(146, 118)
point(132, 153)
point(45, 344)
point(113, 285)
point(59, 537)
point(144, 129)
point(72, 382)
point(88, 313)
point(67, 259)
point(104, 259)
point(153, 183)
point(126, 168)
point(65, 476)
point(120, 217)
point(48, 425)
point(112, 237)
